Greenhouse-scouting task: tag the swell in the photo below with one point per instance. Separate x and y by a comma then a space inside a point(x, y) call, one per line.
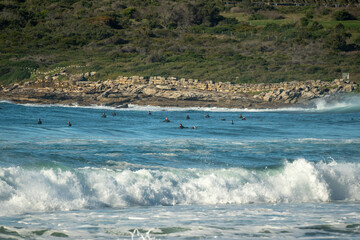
point(48, 189)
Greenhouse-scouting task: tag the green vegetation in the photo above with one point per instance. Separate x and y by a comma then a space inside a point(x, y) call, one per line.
point(202, 39)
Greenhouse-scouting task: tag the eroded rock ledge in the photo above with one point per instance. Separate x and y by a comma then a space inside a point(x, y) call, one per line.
point(160, 91)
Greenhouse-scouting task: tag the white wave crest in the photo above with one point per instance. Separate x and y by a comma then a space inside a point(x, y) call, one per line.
point(23, 190)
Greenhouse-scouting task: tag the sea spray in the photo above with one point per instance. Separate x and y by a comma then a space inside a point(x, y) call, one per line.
point(23, 190)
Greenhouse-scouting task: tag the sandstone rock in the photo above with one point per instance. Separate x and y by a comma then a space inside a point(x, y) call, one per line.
point(348, 88)
point(149, 91)
point(308, 95)
point(268, 97)
point(78, 77)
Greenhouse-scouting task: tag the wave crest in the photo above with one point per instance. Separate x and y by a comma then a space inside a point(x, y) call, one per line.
point(24, 190)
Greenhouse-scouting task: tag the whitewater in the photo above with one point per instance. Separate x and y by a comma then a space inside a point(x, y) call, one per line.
point(279, 174)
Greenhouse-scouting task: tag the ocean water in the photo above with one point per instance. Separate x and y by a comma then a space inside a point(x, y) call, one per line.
point(279, 174)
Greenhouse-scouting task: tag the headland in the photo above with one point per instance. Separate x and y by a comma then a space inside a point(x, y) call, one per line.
point(161, 91)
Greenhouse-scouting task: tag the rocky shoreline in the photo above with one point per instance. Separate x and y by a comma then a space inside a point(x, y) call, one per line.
point(160, 91)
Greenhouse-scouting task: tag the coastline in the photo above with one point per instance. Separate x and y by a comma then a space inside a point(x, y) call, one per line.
point(171, 92)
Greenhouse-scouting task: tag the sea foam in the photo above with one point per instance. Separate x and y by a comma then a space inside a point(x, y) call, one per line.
point(23, 190)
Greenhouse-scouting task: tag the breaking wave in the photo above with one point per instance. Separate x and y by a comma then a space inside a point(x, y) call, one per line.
point(48, 189)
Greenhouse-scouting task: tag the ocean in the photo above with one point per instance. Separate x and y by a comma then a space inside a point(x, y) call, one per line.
point(280, 174)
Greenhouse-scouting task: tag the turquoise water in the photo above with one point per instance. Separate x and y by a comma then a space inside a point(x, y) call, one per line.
point(279, 174)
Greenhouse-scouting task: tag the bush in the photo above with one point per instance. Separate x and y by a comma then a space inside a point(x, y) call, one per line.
point(343, 16)
point(257, 16)
point(304, 21)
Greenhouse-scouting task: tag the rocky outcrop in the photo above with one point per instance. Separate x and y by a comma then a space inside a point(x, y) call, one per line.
point(171, 92)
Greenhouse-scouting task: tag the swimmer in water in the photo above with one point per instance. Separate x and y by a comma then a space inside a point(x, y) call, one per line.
point(194, 127)
point(223, 119)
point(181, 126)
point(69, 123)
point(187, 116)
point(114, 114)
point(243, 118)
point(207, 115)
point(149, 113)
point(240, 115)
point(39, 121)
point(166, 120)
point(103, 115)
point(232, 122)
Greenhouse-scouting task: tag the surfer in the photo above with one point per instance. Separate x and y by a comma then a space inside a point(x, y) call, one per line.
point(187, 116)
point(103, 115)
point(243, 118)
point(181, 126)
point(149, 113)
point(39, 121)
point(240, 115)
point(114, 114)
point(207, 115)
point(194, 127)
point(166, 120)
point(69, 123)
point(223, 119)
point(232, 122)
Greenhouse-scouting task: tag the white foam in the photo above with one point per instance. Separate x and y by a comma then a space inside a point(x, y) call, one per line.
point(23, 190)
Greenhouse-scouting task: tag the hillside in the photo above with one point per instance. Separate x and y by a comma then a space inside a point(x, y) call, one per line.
point(207, 40)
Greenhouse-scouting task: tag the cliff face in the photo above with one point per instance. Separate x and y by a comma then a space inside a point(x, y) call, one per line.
point(161, 91)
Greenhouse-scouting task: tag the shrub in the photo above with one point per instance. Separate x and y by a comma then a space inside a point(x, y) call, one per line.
point(343, 16)
point(304, 21)
point(257, 16)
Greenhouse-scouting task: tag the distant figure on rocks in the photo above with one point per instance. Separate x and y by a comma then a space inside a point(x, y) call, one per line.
point(39, 121)
point(149, 113)
point(114, 114)
point(103, 115)
point(166, 120)
point(187, 116)
point(207, 115)
point(223, 119)
point(69, 123)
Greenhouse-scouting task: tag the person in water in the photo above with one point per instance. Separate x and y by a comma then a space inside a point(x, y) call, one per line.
point(243, 118)
point(69, 123)
point(223, 119)
point(166, 120)
point(207, 115)
point(149, 113)
point(187, 116)
point(39, 121)
point(103, 115)
point(232, 122)
point(181, 126)
point(114, 114)
point(240, 115)
point(194, 127)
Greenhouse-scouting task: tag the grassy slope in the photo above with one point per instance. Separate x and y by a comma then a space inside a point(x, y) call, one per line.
point(103, 37)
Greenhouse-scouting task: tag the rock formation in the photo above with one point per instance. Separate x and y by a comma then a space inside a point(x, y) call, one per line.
point(171, 91)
